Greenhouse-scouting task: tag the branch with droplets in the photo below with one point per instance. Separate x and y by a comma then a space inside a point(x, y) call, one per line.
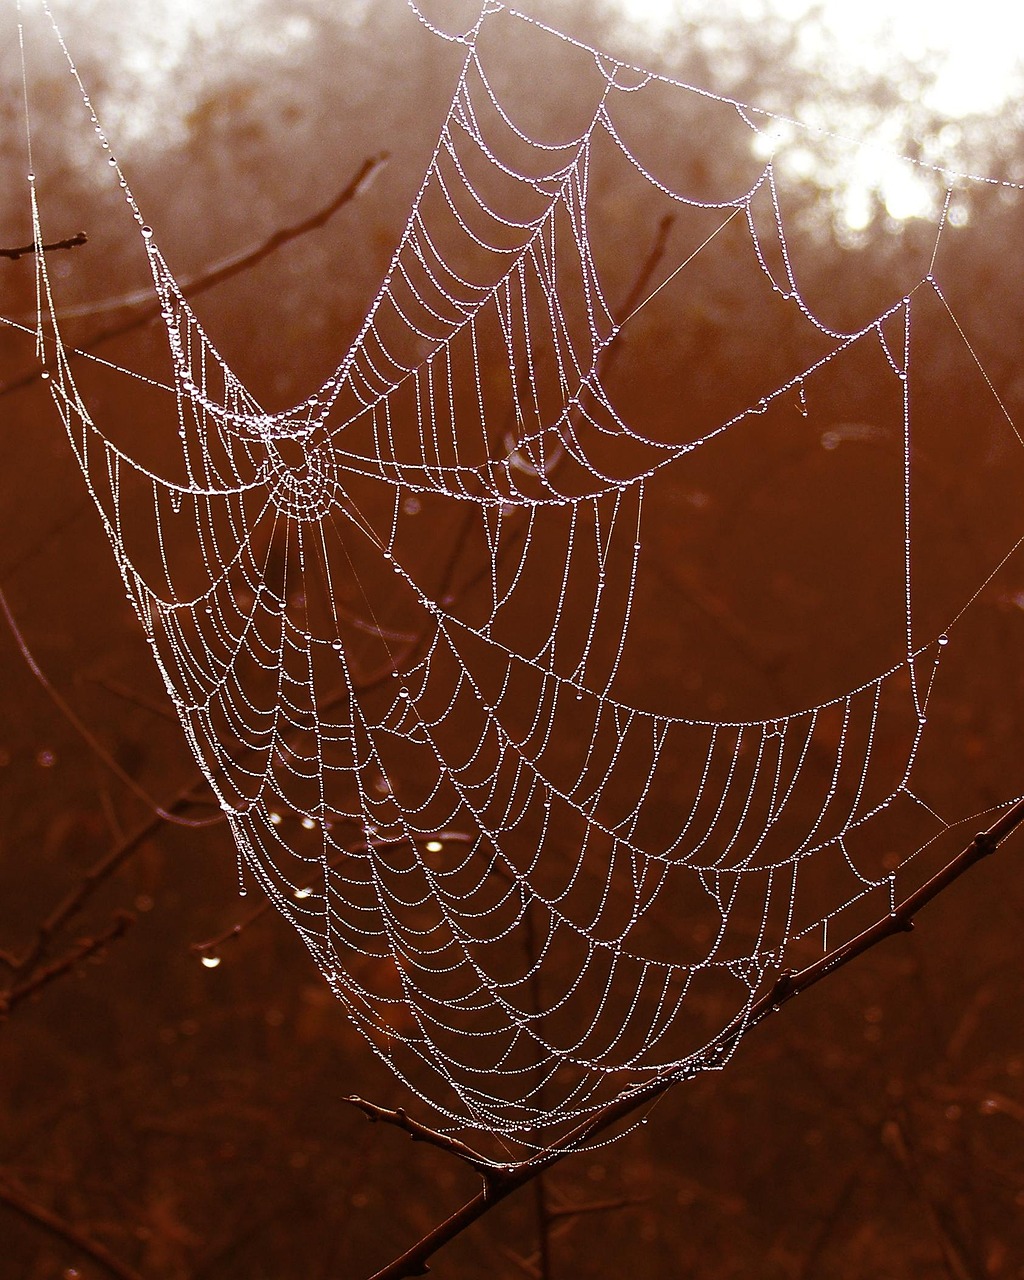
point(502, 1181)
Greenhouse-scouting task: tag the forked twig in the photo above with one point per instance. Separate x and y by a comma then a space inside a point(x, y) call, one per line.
point(504, 1180)
point(400, 1118)
point(84, 949)
point(101, 871)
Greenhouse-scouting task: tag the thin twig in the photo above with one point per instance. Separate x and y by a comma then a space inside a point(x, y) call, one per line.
point(503, 1181)
point(72, 717)
point(72, 242)
point(19, 1201)
point(101, 871)
point(606, 359)
point(400, 1119)
point(83, 950)
point(632, 301)
point(526, 1265)
point(896, 1140)
point(156, 706)
point(224, 270)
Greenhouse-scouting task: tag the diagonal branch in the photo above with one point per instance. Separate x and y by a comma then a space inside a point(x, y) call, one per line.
point(100, 872)
point(237, 263)
point(17, 1200)
point(422, 1133)
point(504, 1181)
point(570, 1211)
point(224, 270)
point(84, 949)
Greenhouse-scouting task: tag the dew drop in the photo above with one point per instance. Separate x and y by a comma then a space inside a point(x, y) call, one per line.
point(210, 962)
point(943, 640)
point(147, 233)
point(434, 846)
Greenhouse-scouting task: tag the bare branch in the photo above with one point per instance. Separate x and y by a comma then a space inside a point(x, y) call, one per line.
point(356, 185)
point(525, 1265)
point(83, 950)
point(16, 1199)
point(156, 707)
point(101, 871)
point(72, 242)
point(896, 1139)
point(650, 264)
point(422, 1133)
point(233, 266)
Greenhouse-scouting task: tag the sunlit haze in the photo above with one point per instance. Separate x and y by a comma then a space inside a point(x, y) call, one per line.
point(976, 49)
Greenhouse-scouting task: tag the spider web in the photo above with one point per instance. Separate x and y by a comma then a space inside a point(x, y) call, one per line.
point(397, 620)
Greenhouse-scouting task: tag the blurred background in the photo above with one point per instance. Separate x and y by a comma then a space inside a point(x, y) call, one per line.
point(171, 1120)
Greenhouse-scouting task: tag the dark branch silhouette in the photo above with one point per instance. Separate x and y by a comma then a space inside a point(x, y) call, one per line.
point(237, 263)
point(84, 949)
point(19, 1202)
point(224, 270)
point(400, 1118)
point(26, 250)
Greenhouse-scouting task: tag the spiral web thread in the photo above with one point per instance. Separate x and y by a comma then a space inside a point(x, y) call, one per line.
point(430, 770)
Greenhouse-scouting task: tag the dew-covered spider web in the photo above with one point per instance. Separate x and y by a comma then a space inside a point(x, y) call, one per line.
point(412, 632)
